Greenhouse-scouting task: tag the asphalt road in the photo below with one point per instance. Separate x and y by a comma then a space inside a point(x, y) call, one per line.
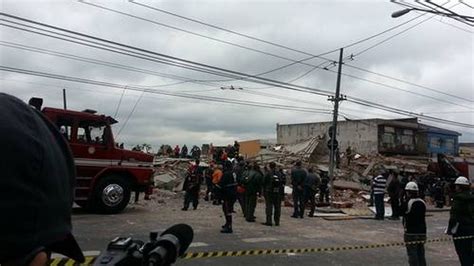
point(93, 232)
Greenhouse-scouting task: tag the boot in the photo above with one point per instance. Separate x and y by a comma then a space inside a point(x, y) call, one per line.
point(227, 230)
point(228, 225)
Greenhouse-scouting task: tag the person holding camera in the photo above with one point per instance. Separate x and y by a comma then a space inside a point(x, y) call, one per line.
point(36, 187)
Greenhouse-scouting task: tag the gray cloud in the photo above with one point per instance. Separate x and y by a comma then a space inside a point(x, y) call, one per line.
point(432, 54)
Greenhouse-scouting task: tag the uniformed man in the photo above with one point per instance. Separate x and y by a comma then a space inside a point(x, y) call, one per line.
point(311, 185)
point(253, 182)
point(298, 176)
point(273, 187)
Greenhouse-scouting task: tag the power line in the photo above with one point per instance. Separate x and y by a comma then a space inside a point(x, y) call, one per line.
point(217, 70)
point(408, 82)
point(286, 47)
point(160, 58)
point(167, 93)
point(273, 43)
point(131, 112)
point(119, 103)
point(249, 103)
point(107, 41)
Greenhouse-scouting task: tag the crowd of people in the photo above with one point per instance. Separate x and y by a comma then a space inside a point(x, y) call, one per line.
point(238, 181)
point(231, 181)
point(406, 197)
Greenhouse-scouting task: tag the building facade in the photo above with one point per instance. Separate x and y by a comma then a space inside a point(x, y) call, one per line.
point(368, 136)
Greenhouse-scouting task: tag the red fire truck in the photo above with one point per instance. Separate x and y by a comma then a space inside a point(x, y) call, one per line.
point(106, 174)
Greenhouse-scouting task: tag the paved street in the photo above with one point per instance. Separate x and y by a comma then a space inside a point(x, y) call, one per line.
point(94, 231)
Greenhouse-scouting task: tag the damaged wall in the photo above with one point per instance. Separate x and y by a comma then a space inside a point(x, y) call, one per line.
point(361, 135)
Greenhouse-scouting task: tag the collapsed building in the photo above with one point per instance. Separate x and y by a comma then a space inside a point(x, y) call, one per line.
point(372, 136)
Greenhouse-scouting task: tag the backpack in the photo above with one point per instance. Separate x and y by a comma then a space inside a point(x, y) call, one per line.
point(277, 183)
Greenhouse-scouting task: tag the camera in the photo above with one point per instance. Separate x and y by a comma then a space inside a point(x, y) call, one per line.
point(158, 251)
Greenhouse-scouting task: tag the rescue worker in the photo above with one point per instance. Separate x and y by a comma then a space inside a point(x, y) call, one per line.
point(253, 181)
point(208, 178)
point(228, 187)
point(176, 151)
point(273, 187)
point(394, 191)
point(298, 176)
point(241, 171)
point(237, 148)
point(311, 185)
point(196, 152)
point(461, 221)
point(324, 188)
point(413, 210)
point(192, 186)
point(216, 179)
point(349, 155)
point(184, 151)
point(380, 182)
point(438, 193)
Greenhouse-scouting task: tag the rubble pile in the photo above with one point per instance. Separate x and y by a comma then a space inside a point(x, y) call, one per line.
point(351, 184)
point(309, 150)
point(170, 172)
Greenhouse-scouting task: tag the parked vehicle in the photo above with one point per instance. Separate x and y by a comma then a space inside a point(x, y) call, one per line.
point(106, 174)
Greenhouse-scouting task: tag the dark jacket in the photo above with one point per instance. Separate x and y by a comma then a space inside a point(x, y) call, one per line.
point(462, 211)
point(269, 184)
point(312, 182)
point(253, 181)
point(228, 185)
point(394, 188)
point(298, 176)
point(193, 179)
point(413, 212)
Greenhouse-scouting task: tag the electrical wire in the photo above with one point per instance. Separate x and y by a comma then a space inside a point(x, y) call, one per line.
point(165, 59)
point(167, 93)
point(130, 114)
point(208, 98)
point(120, 102)
point(289, 48)
point(273, 43)
point(188, 62)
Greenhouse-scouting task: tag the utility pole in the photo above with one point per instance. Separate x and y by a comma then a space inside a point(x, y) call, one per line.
point(64, 99)
point(333, 144)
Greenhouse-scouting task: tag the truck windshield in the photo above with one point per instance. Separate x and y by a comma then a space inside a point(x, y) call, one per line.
point(92, 133)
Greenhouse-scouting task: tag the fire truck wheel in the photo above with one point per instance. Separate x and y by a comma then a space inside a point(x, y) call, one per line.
point(112, 194)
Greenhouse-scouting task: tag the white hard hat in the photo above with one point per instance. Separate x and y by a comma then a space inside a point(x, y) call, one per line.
point(462, 181)
point(411, 186)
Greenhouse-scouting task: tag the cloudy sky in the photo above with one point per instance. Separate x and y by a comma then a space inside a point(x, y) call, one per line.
point(434, 52)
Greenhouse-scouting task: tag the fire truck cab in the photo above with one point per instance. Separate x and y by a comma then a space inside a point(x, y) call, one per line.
point(106, 174)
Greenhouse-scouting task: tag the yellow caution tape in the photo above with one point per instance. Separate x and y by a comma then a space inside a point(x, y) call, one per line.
point(257, 252)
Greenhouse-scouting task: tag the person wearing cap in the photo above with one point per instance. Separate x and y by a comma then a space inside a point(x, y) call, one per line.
point(461, 221)
point(413, 210)
point(36, 187)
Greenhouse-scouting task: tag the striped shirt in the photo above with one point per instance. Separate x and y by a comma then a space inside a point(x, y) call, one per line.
point(380, 182)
